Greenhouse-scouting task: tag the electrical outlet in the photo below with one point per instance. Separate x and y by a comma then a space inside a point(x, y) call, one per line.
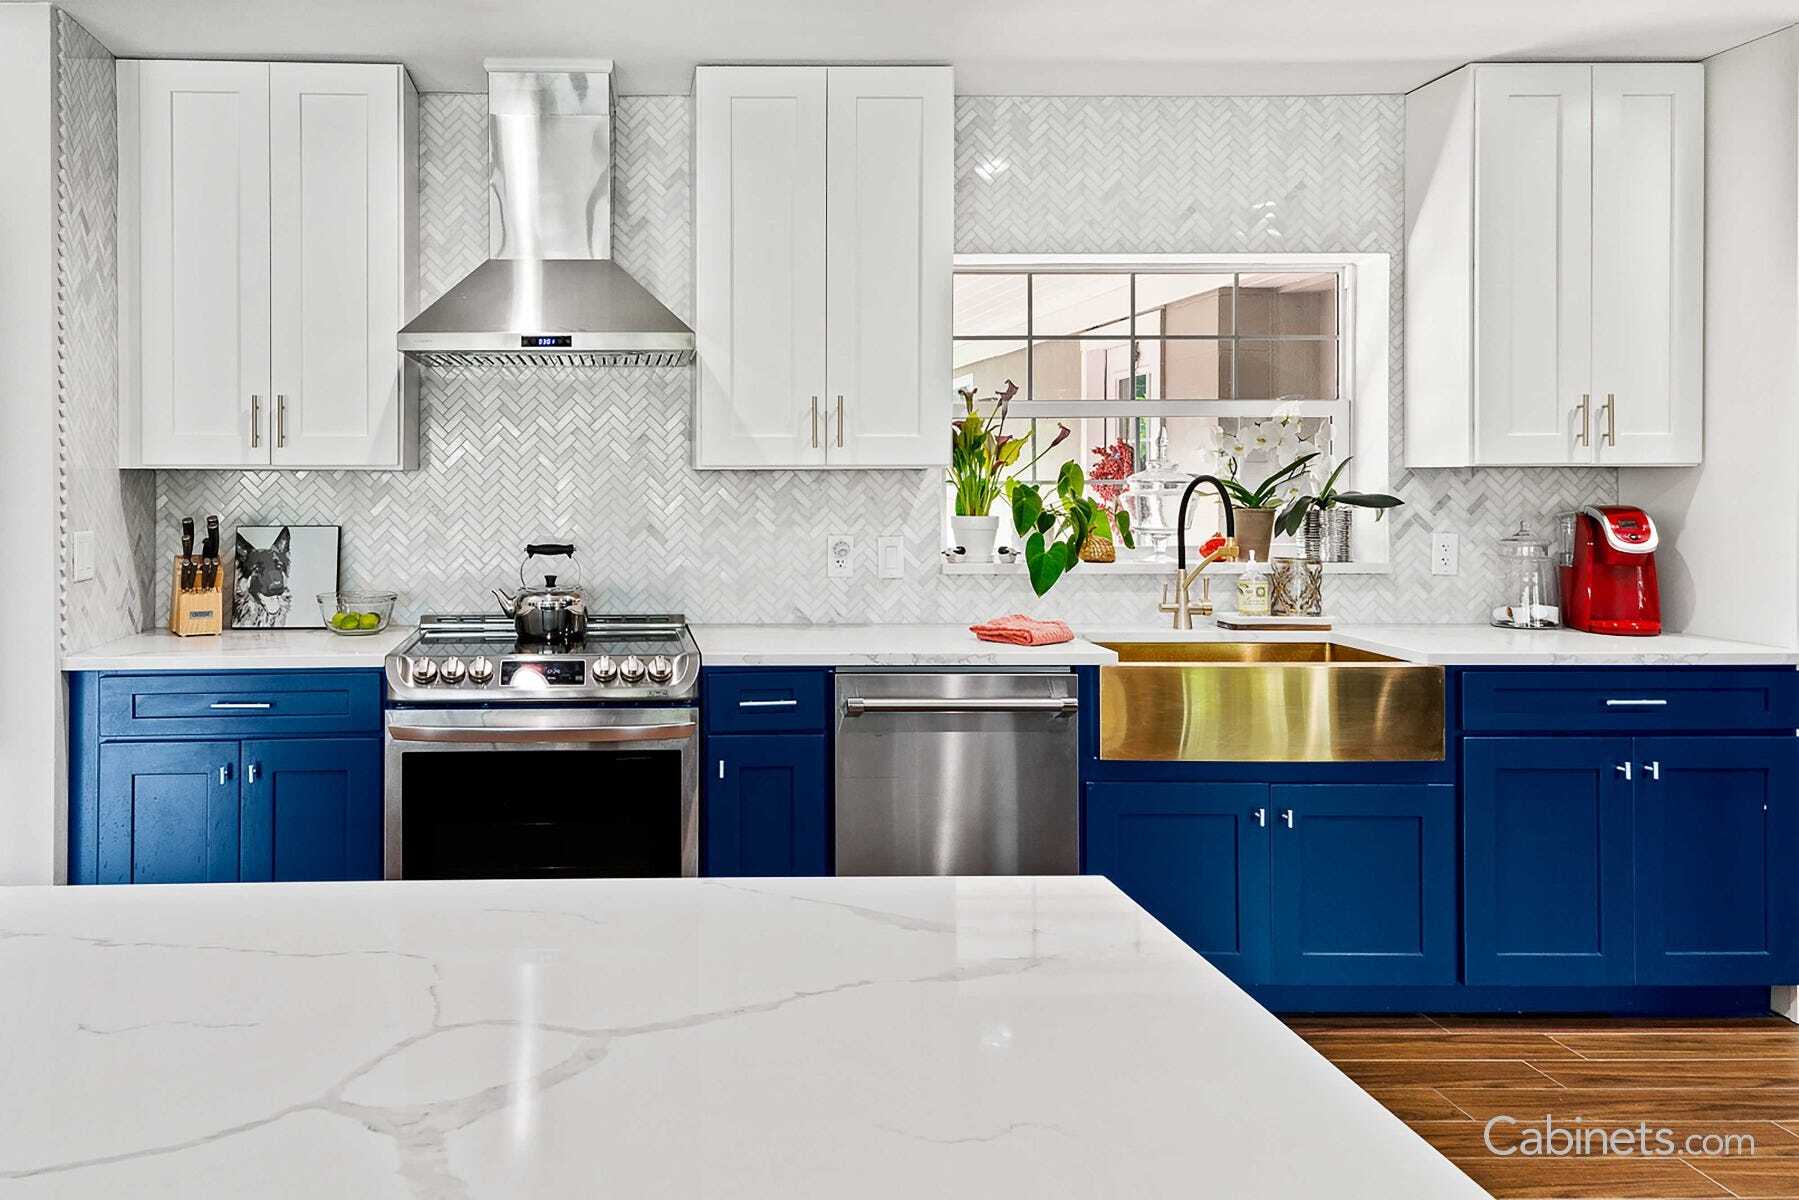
point(840, 549)
point(890, 557)
point(1445, 553)
point(81, 556)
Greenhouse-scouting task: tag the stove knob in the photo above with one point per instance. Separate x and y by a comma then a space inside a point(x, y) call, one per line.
point(631, 670)
point(454, 672)
point(604, 669)
point(661, 669)
point(422, 670)
point(480, 670)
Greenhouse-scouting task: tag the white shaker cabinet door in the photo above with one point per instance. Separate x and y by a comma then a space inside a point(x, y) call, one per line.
point(891, 198)
point(1532, 255)
point(759, 266)
point(197, 243)
point(336, 296)
point(1648, 258)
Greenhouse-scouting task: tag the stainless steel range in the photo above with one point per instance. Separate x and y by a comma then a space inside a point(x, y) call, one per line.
point(509, 759)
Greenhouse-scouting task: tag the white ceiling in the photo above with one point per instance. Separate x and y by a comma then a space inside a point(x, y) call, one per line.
point(998, 47)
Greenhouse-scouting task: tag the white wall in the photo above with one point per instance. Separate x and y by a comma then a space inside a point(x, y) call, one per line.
point(33, 757)
point(1729, 565)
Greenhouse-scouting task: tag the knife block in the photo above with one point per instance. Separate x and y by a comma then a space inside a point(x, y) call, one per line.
point(198, 611)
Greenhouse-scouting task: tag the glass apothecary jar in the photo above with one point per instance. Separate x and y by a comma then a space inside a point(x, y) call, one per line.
point(1528, 597)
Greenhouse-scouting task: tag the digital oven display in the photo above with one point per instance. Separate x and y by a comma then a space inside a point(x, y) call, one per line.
point(543, 674)
point(547, 341)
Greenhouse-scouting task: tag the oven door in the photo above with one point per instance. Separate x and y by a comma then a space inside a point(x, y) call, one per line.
point(507, 793)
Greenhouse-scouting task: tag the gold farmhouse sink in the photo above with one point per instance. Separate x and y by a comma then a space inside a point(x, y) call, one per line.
point(1267, 702)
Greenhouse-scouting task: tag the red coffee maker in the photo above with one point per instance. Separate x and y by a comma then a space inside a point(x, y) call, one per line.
point(1608, 572)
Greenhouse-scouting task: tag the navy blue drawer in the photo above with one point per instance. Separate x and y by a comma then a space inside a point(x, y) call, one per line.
point(752, 701)
point(244, 703)
point(1561, 699)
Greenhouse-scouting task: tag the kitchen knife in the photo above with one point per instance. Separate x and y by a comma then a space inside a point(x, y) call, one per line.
point(209, 554)
point(187, 554)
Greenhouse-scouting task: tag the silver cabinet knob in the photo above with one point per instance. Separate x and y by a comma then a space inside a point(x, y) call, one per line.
point(661, 670)
point(632, 670)
point(480, 670)
point(604, 669)
point(454, 671)
point(422, 670)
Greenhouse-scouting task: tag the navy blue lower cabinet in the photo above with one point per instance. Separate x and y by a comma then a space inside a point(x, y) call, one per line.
point(1717, 833)
point(168, 812)
point(311, 809)
point(767, 805)
point(1547, 861)
point(1196, 856)
point(1363, 884)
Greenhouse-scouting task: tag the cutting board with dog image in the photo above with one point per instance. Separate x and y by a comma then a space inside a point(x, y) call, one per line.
point(278, 572)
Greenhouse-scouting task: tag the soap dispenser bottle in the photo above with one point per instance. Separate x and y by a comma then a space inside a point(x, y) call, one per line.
point(1252, 590)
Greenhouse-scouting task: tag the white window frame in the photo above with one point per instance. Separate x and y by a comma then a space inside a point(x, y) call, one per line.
point(1364, 382)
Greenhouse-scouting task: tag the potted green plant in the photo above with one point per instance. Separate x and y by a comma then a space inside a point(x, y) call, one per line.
point(981, 452)
point(1054, 532)
point(1258, 507)
point(1325, 516)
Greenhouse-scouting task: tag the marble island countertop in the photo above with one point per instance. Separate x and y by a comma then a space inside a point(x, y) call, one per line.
point(680, 1038)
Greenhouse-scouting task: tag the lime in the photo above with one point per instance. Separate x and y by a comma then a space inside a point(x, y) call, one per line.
point(368, 620)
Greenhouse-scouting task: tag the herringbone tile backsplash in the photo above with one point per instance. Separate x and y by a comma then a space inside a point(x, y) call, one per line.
point(602, 458)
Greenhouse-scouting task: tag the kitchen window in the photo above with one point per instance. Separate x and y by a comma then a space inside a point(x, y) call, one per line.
point(1184, 360)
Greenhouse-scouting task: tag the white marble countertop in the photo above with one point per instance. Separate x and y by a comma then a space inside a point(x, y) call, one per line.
point(240, 650)
point(879, 646)
point(672, 1038)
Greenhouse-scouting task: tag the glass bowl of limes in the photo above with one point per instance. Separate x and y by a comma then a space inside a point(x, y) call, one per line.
point(356, 613)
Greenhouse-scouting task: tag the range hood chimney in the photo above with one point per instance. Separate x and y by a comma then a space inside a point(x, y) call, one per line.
point(549, 293)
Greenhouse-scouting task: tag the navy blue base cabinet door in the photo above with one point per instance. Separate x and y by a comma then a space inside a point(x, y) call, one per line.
point(1547, 870)
point(1196, 856)
point(767, 805)
point(311, 809)
point(1363, 884)
point(1717, 835)
point(168, 812)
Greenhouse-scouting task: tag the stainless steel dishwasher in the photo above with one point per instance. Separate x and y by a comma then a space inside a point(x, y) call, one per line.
point(957, 774)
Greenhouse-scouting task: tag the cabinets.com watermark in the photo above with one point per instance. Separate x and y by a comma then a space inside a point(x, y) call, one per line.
point(1506, 1137)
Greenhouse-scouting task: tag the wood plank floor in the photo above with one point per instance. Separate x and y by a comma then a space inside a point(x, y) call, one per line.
point(1447, 1076)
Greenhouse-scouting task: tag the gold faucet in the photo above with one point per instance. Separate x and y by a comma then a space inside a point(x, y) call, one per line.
point(1181, 603)
point(1177, 595)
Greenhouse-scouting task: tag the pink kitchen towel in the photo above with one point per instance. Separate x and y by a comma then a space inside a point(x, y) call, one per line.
point(1020, 630)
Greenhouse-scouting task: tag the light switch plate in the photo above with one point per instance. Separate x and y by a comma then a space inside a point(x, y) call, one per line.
point(840, 550)
point(890, 557)
point(1445, 552)
point(81, 556)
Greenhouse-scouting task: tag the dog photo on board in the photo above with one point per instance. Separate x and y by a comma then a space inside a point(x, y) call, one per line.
point(281, 569)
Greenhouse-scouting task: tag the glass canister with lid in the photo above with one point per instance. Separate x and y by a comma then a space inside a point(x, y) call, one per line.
point(1152, 496)
point(1528, 597)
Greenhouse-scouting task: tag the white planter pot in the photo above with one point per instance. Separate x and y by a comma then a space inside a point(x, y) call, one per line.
point(976, 536)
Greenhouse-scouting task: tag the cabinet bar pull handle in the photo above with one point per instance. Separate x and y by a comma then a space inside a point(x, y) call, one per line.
point(1646, 703)
point(1611, 419)
point(223, 705)
point(768, 704)
point(251, 771)
point(815, 422)
point(225, 773)
point(1582, 427)
point(1654, 769)
point(1287, 816)
point(1261, 817)
point(840, 420)
point(721, 768)
point(1623, 769)
point(255, 420)
point(280, 420)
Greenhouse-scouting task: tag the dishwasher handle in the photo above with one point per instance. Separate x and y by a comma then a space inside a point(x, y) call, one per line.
point(856, 706)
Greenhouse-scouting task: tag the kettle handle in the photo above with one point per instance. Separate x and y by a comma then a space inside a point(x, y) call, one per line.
point(553, 549)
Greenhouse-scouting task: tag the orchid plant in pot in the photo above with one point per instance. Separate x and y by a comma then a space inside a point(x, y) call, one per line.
point(1325, 517)
point(981, 454)
point(1258, 506)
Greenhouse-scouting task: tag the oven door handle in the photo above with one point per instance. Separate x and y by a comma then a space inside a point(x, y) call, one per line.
point(591, 733)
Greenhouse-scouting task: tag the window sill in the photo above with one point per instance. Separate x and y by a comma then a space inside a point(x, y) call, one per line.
point(1130, 566)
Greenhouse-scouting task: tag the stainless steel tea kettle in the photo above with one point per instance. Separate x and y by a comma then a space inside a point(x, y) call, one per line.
point(546, 613)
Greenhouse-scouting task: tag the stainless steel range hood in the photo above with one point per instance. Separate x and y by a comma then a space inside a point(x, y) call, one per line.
point(549, 294)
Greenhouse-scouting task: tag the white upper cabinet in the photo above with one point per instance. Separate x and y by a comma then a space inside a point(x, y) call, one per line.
point(823, 206)
point(1554, 241)
point(267, 259)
